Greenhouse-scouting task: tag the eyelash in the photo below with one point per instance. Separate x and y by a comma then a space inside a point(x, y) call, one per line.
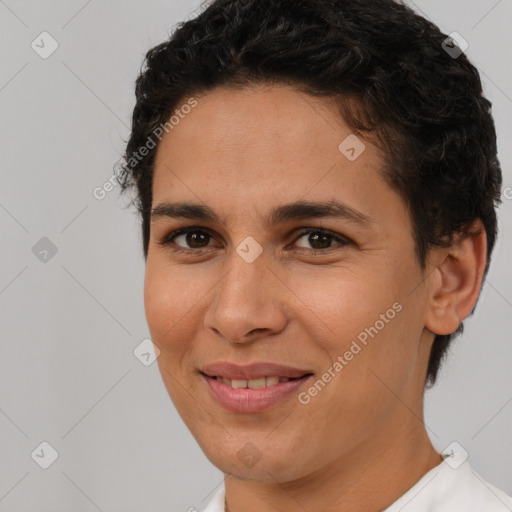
point(168, 239)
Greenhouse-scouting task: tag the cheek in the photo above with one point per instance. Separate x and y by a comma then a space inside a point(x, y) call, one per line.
point(170, 326)
point(345, 303)
point(157, 301)
point(168, 304)
point(369, 319)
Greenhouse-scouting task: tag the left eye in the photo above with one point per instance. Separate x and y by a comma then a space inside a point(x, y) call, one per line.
point(320, 239)
point(195, 239)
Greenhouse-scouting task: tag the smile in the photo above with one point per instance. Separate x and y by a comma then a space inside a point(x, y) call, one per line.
point(253, 395)
point(262, 382)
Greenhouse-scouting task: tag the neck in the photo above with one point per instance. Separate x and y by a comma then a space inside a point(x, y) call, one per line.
point(370, 478)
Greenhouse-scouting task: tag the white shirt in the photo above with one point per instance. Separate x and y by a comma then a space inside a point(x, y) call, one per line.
point(452, 486)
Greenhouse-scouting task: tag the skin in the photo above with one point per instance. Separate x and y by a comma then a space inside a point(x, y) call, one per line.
point(243, 152)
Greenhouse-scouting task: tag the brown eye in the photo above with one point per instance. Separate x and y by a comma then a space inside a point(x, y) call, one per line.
point(189, 239)
point(196, 239)
point(320, 240)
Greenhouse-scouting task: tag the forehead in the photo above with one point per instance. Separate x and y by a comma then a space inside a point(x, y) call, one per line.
point(259, 145)
point(277, 119)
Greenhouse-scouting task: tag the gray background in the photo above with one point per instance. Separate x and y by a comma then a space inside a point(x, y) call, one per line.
point(70, 324)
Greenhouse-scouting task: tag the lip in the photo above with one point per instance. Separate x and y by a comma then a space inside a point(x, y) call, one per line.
point(246, 400)
point(252, 371)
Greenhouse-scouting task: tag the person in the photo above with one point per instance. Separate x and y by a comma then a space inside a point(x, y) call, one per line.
point(317, 182)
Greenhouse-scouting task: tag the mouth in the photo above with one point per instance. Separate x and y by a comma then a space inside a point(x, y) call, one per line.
point(258, 383)
point(253, 388)
point(253, 371)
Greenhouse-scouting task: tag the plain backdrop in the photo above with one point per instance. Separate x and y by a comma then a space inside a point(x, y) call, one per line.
point(71, 274)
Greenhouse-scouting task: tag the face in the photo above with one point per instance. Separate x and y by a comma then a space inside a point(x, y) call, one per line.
point(337, 298)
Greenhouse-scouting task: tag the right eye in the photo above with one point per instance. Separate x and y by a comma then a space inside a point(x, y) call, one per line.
point(195, 237)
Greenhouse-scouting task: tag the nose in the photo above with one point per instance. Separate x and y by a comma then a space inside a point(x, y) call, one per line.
point(248, 303)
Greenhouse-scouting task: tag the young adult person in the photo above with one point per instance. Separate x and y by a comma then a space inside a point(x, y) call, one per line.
point(317, 183)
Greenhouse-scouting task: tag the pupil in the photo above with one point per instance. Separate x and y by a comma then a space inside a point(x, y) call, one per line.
point(193, 238)
point(314, 237)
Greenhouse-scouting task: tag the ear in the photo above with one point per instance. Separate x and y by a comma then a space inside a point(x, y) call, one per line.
point(456, 279)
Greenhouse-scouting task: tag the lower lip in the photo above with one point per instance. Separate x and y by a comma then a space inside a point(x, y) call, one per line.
point(252, 400)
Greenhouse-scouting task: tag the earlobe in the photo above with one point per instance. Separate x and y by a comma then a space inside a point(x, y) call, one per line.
point(456, 280)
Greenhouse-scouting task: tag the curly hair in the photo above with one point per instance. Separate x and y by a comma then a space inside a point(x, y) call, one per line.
point(425, 107)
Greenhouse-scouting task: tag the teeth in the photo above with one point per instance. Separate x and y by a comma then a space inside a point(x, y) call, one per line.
point(237, 384)
point(256, 383)
point(253, 383)
point(272, 381)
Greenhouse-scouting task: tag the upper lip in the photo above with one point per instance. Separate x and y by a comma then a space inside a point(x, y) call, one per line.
point(252, 371)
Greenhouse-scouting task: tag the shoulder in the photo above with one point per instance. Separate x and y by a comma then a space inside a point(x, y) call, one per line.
point(216, 503)
point(449, 487)
point(453, 487)
point(485, 497)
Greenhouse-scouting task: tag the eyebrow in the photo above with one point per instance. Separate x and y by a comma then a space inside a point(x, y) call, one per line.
point(281, 213)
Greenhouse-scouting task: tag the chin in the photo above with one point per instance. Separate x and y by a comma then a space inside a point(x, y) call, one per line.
point(245, 461)
point(263, 471)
